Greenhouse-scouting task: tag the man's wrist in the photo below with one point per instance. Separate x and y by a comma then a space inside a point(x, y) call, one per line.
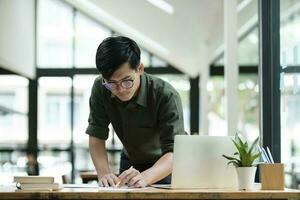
point(103, 172)
point(147, 177)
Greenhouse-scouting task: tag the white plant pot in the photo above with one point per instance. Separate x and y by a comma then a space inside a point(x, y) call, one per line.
point(246, 177)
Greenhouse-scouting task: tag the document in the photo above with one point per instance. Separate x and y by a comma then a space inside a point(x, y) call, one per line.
point(95, 186)
point(80, 186)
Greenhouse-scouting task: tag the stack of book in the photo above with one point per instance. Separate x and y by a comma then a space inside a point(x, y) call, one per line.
point(36, 183)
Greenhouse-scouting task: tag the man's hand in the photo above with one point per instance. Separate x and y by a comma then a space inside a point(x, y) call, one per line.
point(108, 180)
point(133, 178)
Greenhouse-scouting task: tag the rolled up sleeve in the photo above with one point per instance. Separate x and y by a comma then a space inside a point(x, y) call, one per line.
point(98, 120)
point(170, 121)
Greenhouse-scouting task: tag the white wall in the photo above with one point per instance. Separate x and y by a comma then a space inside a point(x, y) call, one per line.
point(17, 36)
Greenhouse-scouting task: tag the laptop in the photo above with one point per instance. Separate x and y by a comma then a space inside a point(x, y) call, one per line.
point(198, 163)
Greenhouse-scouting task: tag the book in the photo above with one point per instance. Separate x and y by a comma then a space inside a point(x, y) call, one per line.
point(40, 186)
point(33, 179)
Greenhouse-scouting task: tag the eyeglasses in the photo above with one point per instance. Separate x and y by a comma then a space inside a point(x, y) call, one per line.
point(112, 85)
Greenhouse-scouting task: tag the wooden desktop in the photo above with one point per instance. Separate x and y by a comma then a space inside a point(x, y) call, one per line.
point(8, 192)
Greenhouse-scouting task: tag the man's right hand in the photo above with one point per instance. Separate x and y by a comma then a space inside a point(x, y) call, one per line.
point(108, 180)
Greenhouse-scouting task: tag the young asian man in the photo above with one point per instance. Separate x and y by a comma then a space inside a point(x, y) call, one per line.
point(145, 112)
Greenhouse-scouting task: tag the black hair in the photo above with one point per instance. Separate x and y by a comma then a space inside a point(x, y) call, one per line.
point(115, 51)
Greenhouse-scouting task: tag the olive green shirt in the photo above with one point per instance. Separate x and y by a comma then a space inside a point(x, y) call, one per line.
point(146, 125)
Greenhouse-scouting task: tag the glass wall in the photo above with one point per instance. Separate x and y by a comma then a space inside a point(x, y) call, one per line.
point(13, 125)
point(55, 33)
point(248, 111)
point(248, 92)
point(289, 86)
point(54, 111)
point(248, 89)
point(88, 35)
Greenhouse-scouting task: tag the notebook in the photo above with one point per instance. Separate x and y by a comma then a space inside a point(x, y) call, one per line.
point(36, 183)
point(40, 186)
point(33, 179)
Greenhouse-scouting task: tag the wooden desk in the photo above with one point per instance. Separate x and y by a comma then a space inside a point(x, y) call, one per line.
point(88, 176)
point(147, 193)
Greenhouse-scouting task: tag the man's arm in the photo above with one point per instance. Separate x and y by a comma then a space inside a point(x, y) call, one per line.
point(161, 169)
point(100, 160)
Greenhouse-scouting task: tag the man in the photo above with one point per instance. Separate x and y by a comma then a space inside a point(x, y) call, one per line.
point(145, 112)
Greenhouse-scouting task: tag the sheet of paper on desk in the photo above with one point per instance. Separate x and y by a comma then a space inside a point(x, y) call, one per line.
point(80, 186)
point(95, 186)
point(123, 188)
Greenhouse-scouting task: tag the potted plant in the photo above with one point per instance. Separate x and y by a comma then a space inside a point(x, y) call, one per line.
point(243, 160)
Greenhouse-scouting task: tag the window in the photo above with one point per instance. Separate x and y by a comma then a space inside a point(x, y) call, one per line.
point(145, 58)
point(157, 62)
point(89, 35)
point(13, 126)
point(289, 87)
point(13, 116)
point(247, 50)
point(6, 101)
point(55, 34)
point(54, 111)
point(55, 163)
point(12, 163)
point(248, 112)
point(289, 37)
point(82, 87)
point(216, 106)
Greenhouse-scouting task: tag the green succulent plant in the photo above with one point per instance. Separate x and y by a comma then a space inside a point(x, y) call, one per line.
point(246, 155)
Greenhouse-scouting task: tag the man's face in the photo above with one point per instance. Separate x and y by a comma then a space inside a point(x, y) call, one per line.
point(126, 81)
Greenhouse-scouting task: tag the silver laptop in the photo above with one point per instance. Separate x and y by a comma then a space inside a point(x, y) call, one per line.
point(198, 162)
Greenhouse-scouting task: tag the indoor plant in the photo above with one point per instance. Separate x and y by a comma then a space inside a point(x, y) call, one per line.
point(243, 160)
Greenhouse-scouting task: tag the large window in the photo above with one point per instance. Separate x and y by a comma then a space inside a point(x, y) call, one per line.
point(248, 92)
point(54, 111)
point(248, 110)
point(247, 50)
point(13, 126)
point(89, 35)
point(13, 110)
point(290, 91)
point(145, 58)
point(55, 33)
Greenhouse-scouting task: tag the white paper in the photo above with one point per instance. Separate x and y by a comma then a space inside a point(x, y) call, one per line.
point(95, 186)
point(80, 186)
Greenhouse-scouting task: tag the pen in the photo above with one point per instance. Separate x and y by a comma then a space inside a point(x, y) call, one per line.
point(262, 154)
point(270, 155)
point(120, 181)
point(266, 155)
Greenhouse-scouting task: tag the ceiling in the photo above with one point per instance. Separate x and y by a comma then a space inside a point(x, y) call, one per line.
point(188, 39)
